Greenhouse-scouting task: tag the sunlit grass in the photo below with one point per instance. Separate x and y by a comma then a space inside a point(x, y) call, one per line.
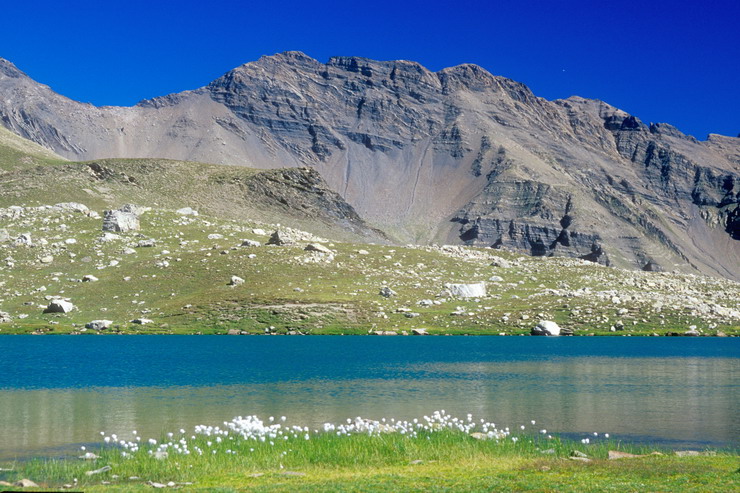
point(432, 452)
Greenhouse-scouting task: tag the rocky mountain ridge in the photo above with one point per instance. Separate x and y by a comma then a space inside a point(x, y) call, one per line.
point(454, 156)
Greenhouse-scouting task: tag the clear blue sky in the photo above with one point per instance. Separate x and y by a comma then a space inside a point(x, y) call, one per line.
point(663, 61)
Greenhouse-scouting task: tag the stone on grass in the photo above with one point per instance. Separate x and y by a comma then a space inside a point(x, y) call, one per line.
point(419, 332)
point(25, 483)
point(250, 243)
point(4, 235)
point(618, 454)
point(59, 306)
point(235, 281)
point(24, 240)
point(5, 318)
point(500, 262)
point(142, 321)
point(386, 292)
point(72, 206)
point(89, 278)
point(546, 328)
point(120, 221)
point(99, 324)
point(471, 290)
point(317, 247)
point(147, 243)
point(187, 211)
point(282, 237)
point(98, 471)
point(46, 259)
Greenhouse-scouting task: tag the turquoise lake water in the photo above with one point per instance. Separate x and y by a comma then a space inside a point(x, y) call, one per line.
point(58, 392)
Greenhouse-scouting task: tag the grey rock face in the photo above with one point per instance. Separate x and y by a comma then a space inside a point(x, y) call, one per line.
point(457, 155)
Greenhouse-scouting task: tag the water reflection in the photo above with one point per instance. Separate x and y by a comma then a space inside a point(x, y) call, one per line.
point(689, 401)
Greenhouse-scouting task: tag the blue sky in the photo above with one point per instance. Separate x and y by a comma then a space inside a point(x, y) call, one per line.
point(663, 61)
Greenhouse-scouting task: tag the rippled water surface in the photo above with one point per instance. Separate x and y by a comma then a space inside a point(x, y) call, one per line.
point(59, 392)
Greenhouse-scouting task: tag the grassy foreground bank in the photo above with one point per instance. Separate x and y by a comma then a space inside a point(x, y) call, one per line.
point(436, 454)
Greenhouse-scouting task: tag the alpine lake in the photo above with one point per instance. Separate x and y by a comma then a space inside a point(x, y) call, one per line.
point(57, 394)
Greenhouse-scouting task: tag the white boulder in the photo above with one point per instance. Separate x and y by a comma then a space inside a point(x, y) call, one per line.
point(473, 290)
point(59, 306)
point(546, 328)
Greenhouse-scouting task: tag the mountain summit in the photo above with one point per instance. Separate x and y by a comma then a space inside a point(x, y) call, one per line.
point(454, 156)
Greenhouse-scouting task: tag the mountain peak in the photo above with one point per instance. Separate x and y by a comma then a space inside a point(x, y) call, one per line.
point(9, 70)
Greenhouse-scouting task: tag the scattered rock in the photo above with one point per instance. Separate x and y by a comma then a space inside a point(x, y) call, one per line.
point(89, 278)
point(4, 235)
point(419, 332)
point(577, 453)
point(250, 243)
point(473, 290)
point(98, 471)
point(59, 306)
point(386, 292)
point(142, 321)
point(547, 328)
point(236, 281)
point(363, 252)
point(46, 259)
point(291, 474)
point(154, 484)
point(5, 318)
point(496, 279)
point(234, 332)
point(692, 333)
point(99, 324)
point(317, 247)
point(416, 462)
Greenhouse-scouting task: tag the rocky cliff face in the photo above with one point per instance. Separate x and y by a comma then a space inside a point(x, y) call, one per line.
point(458, 155)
